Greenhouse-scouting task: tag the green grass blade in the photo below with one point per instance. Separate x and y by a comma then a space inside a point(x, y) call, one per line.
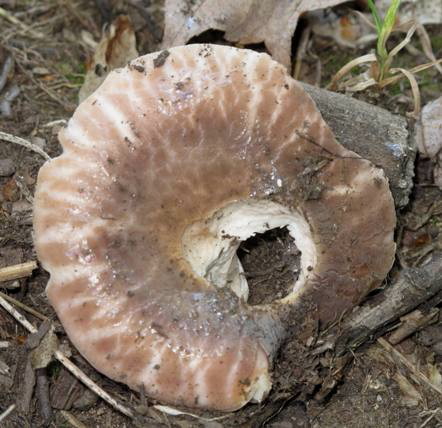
point(376, 17)
point(387, 27)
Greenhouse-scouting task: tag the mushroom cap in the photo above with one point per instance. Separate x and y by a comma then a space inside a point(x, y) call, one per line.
point(178, 153)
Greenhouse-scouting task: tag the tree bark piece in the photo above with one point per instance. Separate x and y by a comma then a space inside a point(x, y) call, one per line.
point(17, 271)
point(412, 287)
point(372, 132)
point(413, 322)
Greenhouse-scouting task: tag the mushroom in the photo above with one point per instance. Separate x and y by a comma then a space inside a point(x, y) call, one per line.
point(166, 168)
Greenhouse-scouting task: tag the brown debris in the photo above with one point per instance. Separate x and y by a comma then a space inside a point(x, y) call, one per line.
point(42, 393)
point(116, 48)
point(24, 381)
point(246, 22)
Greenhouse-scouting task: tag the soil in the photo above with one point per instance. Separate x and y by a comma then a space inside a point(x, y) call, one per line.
point(50, 43)
point(271, 263)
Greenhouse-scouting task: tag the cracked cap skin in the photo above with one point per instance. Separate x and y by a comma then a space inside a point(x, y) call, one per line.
point(164, 143)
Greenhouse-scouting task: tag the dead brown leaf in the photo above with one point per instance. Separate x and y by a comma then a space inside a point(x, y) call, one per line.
point(248, 21)
point(115, 49)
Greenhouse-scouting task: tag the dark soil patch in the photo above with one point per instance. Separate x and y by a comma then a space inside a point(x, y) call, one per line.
point(271, 263)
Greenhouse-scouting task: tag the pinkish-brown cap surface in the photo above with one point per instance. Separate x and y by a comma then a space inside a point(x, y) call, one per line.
point(171, 163)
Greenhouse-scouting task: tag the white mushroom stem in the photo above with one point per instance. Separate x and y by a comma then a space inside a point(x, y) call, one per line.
point(210, 246)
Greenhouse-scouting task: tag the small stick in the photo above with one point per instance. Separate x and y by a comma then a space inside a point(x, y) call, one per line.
point(412, 322)
point(393, 351)
point(91, 384)
point(5, 414)
point(22, 142)
point(67, 363)
point(17, 271)
point(13, 20)
point(72, 419)
point(17, 315)
point(432, 415)
point(23, 306)
point(412, 287)
point(60, 122)
point(5, 70)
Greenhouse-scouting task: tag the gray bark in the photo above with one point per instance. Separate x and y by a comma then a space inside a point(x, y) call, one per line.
point(413, 287)
point(372, 132)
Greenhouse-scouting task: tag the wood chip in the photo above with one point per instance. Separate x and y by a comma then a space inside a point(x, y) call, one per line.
point(17, 271)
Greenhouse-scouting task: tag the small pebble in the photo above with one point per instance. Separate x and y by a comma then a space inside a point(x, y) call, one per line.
point(7, 167)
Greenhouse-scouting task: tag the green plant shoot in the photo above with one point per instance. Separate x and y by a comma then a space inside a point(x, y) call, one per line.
point(383, 29)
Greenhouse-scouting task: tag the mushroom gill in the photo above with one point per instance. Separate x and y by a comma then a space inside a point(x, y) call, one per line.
point(166, 168)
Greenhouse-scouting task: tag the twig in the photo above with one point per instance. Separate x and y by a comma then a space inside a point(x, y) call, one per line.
point(5, 103)
point(72, 419)
point(69, 107)
point(413, 322)
point(412, 287)
point(17, 271)
point(17, 315)
point(433, 413)
point(23, 306)
point(5, 70)
point(67, 363)
point(91, 384)
point(12, 19)
point(22, 142)
point(5, 414)
point(417, 373)
point(61, 122)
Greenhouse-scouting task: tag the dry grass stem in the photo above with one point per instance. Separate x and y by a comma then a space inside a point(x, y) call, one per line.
point(6, 413)
point(401, 45)
point(359, 85)
point(22, 142)
point(68, 364)
point(414, 89)
point(23, 306)
point(403, 360)
point(424, 38)
point(17, 271)
point(347, 68)
point(175, 412)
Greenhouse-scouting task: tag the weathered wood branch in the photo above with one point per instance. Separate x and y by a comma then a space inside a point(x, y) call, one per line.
point(412, 287)
point(372, 132)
